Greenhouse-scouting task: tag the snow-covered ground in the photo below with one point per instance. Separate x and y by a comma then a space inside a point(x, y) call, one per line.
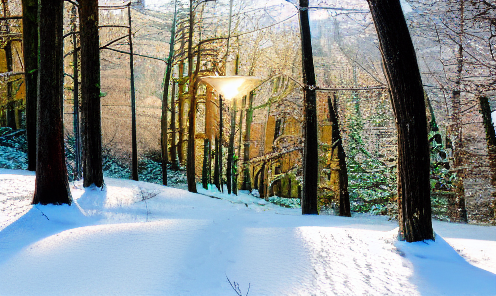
point(136, 238)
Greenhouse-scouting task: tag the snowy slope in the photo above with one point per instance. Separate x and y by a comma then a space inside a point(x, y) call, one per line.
point(135, 238)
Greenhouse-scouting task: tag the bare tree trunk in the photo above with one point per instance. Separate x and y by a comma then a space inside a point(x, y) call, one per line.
point(219, 151)
point(230, 151)
point(165, 96)
point(180, 114)
point(246, 149)
point(30, 52)
point(173, 149)
point(490, 138)
point(75, 96)
point(52, 186)
point(310, 152)
point(407, 97)
point(207, 143)
point(216, 164)
point(337, 143)
point(456, 128)
point(90, 94)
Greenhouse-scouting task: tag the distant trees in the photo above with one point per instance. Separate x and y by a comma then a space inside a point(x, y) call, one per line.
point(90, 93)
point(407, 95)
point(52, 186)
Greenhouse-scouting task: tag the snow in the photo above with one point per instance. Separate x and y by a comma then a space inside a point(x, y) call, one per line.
point(136, 238)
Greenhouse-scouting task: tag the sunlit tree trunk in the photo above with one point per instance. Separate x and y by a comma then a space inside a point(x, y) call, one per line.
point(30, 53)
point(51, 186)
point(180, 114)
point(407, 97)
point(90, 94)
point(173, 149)
point(310, 150)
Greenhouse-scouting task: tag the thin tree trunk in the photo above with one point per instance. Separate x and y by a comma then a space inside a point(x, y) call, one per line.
point(216, 164)
point(246, 145)
point(52, 185)
point(236, 163)
point(407, 97)
point(164, 119)
point(230, 152)
point(208, 139)
point(90, 94)
point(134, 142)
point(310, 152)
point(75, 74)
point(456, 130)
point(221, 136)
point(180, 114)
point(30, 52)
point(337, 143)
point(173, 149)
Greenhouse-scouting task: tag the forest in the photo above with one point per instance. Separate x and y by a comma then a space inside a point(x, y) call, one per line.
point(351, 108)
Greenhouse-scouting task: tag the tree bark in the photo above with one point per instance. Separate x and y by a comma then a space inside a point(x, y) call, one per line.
point(30, 52)
point(310, 150)
point(407, 97)
point(216, 164)
point(180, 114)
point(230, 151)
point(456, 128)
point(51, 185)
point(90, 94)
point(173, 152)
point(337, 143)
point(246, 145)
point(164, 119)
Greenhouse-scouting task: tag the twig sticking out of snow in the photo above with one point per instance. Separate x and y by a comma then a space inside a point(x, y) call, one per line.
point(42, 213)
point(236, 287)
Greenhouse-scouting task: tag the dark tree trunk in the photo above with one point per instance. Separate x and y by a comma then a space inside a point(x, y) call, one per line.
point(216, 164)
point(30, 52)
point(90, 94)
point(206, 155)
point(221, 138)
point(163, 123)
point(310, 151)
point(246, 145)
point(134, 142)
point(75, 96)
point(230, 151)
point(490, 136)
point(52, 186)
point(407, 97)
point(337, 143)
point(173, 152)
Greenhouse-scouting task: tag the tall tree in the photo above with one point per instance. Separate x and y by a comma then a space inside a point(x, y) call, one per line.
point(163, 122)
point(407, 96)
point(30, 52)
point(90, 93)
point(51, 186)
point(337, 143)
point(310, 151)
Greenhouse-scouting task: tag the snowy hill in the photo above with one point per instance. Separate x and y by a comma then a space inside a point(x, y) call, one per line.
point(136, 238)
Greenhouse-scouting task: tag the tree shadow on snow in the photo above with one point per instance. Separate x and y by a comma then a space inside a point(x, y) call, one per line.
point(439, 270)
